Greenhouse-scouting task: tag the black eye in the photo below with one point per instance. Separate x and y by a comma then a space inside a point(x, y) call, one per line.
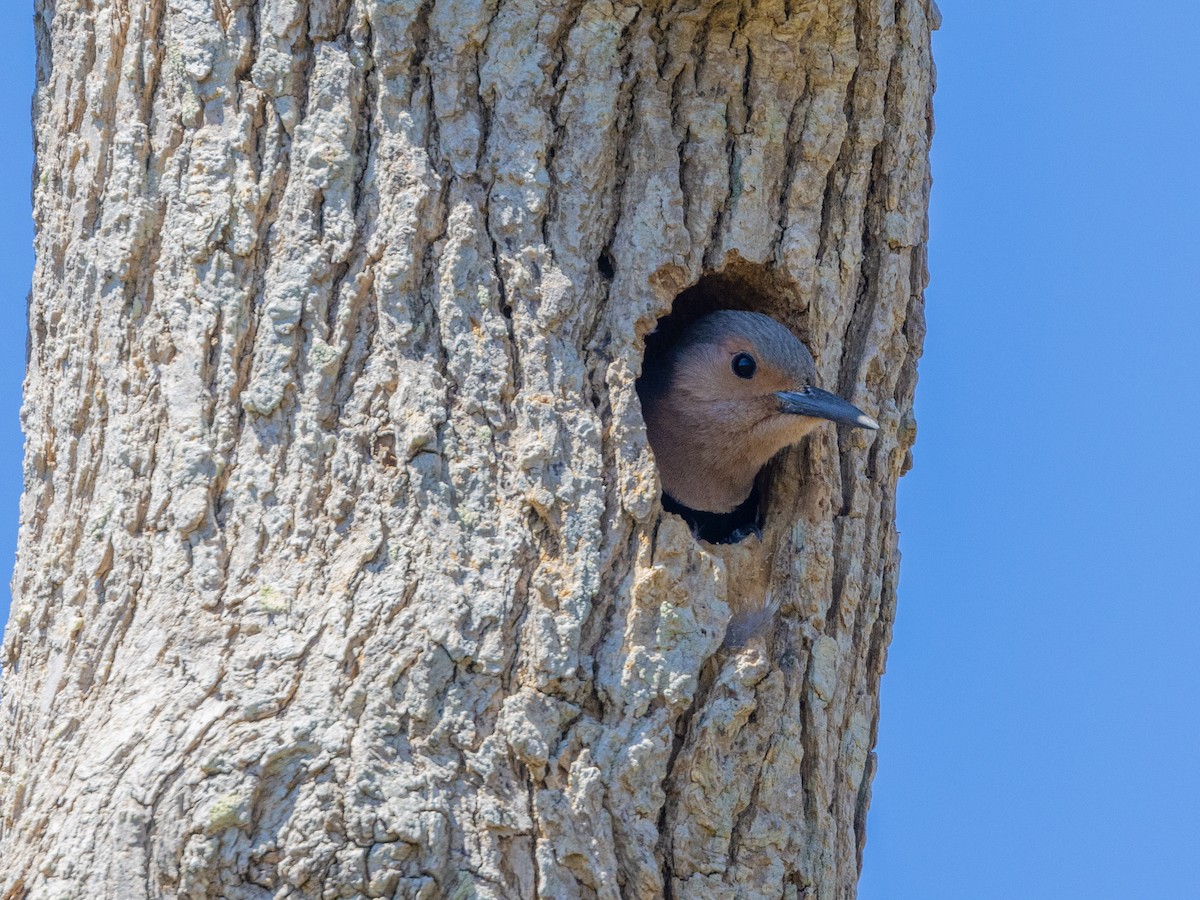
point(744, 365)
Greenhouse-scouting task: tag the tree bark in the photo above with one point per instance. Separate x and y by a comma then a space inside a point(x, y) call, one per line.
point(342, 568)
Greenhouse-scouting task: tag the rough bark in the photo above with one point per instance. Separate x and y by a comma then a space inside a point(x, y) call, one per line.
point(342, 569)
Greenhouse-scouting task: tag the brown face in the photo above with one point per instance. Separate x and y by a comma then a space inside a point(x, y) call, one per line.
point(739, 389)
point(736, 368)
point(734, 381)
point(733, 384)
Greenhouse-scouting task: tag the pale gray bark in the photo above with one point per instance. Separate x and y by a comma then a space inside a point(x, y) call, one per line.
point(342, 570)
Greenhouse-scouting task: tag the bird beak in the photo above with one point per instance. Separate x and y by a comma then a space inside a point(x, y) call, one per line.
point(821, 404)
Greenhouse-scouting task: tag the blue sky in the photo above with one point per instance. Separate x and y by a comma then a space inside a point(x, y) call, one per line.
point(16, 263)
point(1040, 708)
point(1039, 724)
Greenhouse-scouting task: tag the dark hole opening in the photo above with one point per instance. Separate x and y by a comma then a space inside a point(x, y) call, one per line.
point(606, 266)
point(740, 286)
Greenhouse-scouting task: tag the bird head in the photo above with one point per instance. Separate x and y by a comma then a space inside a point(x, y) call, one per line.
point(734, 389)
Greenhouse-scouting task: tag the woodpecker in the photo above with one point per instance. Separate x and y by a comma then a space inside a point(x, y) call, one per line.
point(731, 391)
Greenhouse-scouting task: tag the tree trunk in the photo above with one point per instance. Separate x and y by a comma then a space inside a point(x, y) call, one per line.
point(342, 568)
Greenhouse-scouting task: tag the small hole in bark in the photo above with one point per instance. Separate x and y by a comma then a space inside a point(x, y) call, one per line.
point(739, 286)
point(606, 266)
point(506, 310)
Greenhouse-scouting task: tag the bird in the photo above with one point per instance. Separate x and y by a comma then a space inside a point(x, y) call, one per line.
point(724, 396)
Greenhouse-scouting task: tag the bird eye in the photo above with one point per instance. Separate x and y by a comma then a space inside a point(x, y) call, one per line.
point(744, 365)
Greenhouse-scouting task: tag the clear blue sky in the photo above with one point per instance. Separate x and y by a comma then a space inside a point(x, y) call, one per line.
point(16, 263)
point(1040, 711)
point(1041, 708)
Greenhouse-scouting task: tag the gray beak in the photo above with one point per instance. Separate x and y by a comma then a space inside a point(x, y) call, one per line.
point(821, 404)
